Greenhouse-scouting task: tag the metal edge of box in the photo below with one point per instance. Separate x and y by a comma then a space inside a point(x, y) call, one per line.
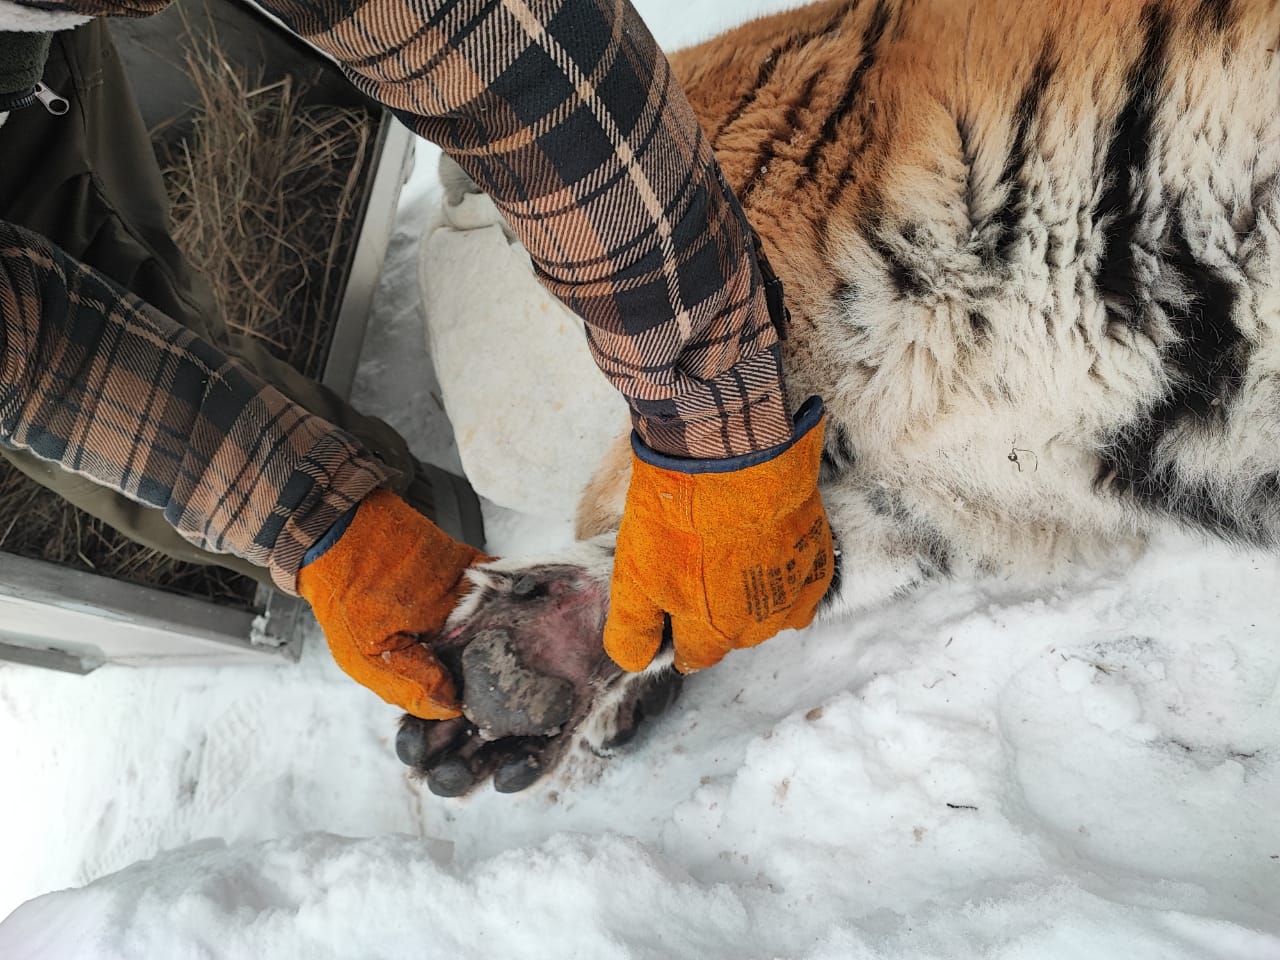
point(48, 612)
point(91, 619)
point(369, 252)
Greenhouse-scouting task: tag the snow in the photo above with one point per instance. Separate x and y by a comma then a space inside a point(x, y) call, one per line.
point(985, 769)
point(1003, 769)
point(494, 332)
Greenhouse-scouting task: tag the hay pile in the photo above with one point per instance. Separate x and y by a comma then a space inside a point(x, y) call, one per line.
point(260, 191)
point(36, 524)
point(263, 193)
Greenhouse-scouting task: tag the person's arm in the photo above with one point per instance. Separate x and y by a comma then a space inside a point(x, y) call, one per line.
point(95, 380)
point(567, 114)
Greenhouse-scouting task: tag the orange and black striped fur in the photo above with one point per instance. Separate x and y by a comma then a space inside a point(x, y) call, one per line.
point(1032, 255)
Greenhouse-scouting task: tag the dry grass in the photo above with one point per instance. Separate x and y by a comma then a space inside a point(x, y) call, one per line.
point(262, 190)
point(41, 526)
point(259, 192)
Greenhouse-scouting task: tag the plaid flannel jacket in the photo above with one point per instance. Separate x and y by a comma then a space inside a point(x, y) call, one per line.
point(93, 378)
point(568, 115)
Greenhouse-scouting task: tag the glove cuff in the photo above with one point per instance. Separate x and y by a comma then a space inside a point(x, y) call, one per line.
point(807, 417)
point(332, 535)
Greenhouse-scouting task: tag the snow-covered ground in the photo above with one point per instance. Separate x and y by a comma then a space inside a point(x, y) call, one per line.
point(1000, 769)
point(984, 770)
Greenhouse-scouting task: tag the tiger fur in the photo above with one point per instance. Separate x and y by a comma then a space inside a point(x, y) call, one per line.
point(1031, 252)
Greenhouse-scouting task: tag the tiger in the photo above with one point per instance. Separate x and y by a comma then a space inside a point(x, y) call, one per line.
point(1031, 253)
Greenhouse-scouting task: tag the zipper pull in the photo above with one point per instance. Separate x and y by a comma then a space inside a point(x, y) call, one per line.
point(55, 104)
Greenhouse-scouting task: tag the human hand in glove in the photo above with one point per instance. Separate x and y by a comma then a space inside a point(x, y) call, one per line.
point(376, 585)
point(733, 551)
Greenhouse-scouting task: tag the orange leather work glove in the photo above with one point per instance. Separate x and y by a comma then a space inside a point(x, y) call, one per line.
point(732, 550)
point(390, 575)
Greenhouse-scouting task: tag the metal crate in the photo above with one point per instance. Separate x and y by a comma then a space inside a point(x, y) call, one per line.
point(66, 619)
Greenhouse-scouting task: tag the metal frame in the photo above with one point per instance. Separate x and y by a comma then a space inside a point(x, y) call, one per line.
point(54, 616)
point(64, 619)
point(395, 163)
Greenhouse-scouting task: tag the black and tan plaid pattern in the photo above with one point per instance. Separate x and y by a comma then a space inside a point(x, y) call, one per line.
point(95, 380)
point(567, 114)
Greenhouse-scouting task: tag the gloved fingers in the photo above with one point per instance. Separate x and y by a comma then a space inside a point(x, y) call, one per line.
point(406, 673)
point(633, 630)
point(698, 644)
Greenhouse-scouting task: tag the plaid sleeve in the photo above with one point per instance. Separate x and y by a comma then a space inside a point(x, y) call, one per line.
point(97, 381)
point(568, 115)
